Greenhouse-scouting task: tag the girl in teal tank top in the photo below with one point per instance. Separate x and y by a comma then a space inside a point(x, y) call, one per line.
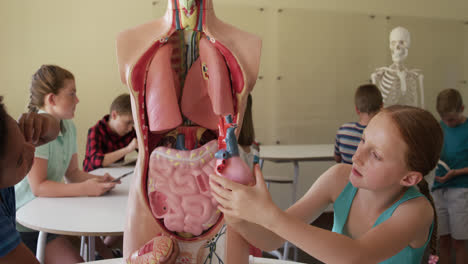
point(342, 206)
point(380, 215)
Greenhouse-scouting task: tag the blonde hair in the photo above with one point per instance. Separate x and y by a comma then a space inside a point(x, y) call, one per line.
point(47, 79)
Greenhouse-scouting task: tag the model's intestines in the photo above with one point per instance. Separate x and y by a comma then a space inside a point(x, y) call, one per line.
point(178, 188)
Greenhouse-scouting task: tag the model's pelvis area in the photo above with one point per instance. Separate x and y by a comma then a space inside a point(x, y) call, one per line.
point(188, 115)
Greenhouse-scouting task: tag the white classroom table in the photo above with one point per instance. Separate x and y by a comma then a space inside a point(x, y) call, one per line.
point(295, 154)
point(252, 260)
point(79, 216)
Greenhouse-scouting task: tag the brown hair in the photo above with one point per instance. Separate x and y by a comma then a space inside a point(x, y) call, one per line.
point(368, 99)
point(449, 101)
point(122, 105)
point(48, 79)
point(424, 138)
point(3, 128)
point(247, 133)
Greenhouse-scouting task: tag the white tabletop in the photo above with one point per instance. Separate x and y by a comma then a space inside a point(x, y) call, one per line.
point(308, 152)
point(82, 216)
point(252, 260)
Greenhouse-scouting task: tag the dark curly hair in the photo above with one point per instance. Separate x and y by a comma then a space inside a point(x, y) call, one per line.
point(3, 128)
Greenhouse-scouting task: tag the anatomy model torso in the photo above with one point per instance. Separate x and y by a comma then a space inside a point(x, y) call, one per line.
point(398, 84)
point(189, 75)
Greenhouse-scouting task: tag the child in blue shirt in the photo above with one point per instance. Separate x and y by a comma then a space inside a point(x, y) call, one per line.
point(367, 103)
point(450, 189)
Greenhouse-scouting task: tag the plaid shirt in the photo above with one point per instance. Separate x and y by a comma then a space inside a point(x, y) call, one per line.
point(102, 140)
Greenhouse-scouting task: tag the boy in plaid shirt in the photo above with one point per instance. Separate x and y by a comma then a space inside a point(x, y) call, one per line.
point(112, 137)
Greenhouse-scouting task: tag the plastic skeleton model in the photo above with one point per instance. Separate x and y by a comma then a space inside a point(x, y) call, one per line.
point(397, 84)
point(189, 75)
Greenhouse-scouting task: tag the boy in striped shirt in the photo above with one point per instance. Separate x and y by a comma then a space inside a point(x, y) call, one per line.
point(368, 102)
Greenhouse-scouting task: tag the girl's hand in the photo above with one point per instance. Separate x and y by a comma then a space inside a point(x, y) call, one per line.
point(97, 187)
point(237, 201)
point(108, 178)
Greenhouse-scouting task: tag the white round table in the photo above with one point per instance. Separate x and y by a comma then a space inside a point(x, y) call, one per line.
point(252, 260)
point(300, 152)
point(79, 216)
point(294, 154)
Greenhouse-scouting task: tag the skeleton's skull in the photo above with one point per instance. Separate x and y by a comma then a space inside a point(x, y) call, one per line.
point(399, 43)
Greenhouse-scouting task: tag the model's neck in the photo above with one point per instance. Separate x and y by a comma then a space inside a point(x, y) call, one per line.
point(192, 15)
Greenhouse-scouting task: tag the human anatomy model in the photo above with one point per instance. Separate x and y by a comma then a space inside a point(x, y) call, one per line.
point(397, 84)
point(189, 75)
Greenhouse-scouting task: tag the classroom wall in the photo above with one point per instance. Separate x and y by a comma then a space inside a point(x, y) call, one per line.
point(314, 55)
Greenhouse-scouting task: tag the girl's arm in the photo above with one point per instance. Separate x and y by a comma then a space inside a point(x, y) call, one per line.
point(74, 174)
point(411, 219)
point(42, 187)
point(408, 222)
point(307, 209)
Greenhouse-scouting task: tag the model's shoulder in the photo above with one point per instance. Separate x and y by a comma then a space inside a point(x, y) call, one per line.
point(246, 46)
point(234, 33)
point(151, 27)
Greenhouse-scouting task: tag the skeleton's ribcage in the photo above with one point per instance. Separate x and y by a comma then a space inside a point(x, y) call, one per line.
point(394, 93)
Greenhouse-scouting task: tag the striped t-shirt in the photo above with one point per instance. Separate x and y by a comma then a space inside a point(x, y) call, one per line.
point(347, 140)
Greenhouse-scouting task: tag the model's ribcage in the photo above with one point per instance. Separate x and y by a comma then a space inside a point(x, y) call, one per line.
point(393, 92)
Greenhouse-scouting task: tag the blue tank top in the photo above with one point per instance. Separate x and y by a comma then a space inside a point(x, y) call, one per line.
point(342, 206)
